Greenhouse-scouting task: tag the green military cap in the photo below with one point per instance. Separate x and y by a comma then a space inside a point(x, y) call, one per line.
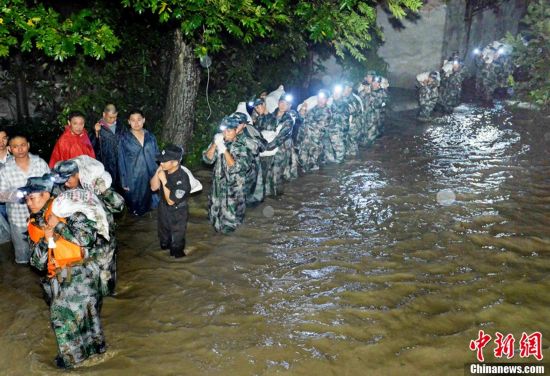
point(228, 122)
point(63, 170)
point(35, 184)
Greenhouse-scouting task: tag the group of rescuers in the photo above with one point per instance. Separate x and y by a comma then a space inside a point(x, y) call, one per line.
point(441, 90)
point(69, 206)
point(71, 227)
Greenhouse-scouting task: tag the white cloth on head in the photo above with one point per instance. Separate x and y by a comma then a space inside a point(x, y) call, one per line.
point(272, 99)
point(90, 170)
point(82, 201)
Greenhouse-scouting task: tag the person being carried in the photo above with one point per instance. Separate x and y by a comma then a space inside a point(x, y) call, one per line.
point(63, 247)
point(174, 185)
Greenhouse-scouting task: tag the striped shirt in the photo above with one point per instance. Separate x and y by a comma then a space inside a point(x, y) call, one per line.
point(13, 177)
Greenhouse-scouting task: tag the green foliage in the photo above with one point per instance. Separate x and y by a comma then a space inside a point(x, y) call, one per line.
point(27, 26)
point(531, 52)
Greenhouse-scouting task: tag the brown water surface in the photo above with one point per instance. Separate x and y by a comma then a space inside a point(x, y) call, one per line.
point(357, 269)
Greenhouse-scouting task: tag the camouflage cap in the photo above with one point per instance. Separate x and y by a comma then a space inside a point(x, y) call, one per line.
point(35, 184)
point(324, 93)
point(257, 102)
point(371, 73)
point(347, 83)
point(63, 170)
point(240, 117)
point(286, 97)
point(228, 122)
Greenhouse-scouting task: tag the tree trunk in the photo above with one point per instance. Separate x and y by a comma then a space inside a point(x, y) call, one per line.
point(179, 113)
point(22, 101)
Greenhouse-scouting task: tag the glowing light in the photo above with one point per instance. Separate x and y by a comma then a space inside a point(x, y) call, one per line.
point(288, 98)
point(446, 197)
point(321, 94)
point(268, 211)
point(338, 89)
point(223, 128)
point(476, 51)
point(250, 104)
point(501, 51)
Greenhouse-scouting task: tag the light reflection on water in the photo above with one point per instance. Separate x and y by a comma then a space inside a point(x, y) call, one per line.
point(355, 266)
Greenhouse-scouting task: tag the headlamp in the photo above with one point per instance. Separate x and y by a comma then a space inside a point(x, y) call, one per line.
point(338, 89)
point(476, 51)
point(322, 94)
point(288, 98)
point(223, 128)
point(251, 104)
point(20, 194)
point(456, 62)
point(501, 51)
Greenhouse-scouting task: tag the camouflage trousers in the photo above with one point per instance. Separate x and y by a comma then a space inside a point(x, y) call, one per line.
point(352, 137)
point(334, 148)
point(371, 127)
point(227, 205)
point(310, 152)
point(74, 314)
point(426, 107)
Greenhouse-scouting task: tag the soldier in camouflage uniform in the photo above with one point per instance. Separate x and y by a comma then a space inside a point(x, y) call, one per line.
point(283, 164)
point(377, 102)
point(365, 93)
point(67, 174)
point(428, 94)
point(334, 148)
point(355, 110)
point(254, 185)
point(316, 123)
point(450, 89)
point(229, 154)
point(73, 289)
point(494, 67)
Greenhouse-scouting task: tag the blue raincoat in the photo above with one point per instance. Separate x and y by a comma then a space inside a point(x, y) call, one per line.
point(137, 165)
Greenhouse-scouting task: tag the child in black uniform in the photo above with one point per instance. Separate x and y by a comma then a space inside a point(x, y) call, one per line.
point(174, 186)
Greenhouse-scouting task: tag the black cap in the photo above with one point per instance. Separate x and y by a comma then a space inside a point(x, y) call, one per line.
point(63, 170)
point(170, 152)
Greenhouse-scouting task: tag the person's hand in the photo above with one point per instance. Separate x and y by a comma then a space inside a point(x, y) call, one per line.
point(303, 109)
point(162, 176)
point(99, 185)
point(48, 232)
point(97, 128)
point(220, 144)
point(53, 220)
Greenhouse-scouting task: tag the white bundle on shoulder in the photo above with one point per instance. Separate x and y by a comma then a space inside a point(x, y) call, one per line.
point(269, 136)
point(195, 184)
point(311, 102)
point(92, 174)
point(447, 68)
point(241, 107)
point(272, 99)
point(422, 77)
point(83, 201)
point(385, 83)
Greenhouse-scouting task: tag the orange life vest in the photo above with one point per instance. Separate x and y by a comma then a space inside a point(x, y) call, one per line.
point(65, 252)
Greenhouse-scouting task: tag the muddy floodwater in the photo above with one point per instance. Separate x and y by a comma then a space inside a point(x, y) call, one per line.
point(386, 265)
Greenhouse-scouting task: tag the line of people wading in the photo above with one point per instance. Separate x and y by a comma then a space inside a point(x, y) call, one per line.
point(442, 90)
point(62, 220)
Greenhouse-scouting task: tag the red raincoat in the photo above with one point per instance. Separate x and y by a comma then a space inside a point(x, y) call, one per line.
point(71, 145)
